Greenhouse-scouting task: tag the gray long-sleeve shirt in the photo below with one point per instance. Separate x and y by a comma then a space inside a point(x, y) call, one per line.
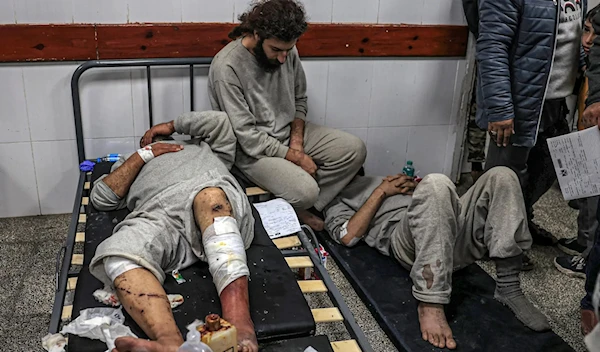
point(260, 104)
point(165, 188)
point(349, 201)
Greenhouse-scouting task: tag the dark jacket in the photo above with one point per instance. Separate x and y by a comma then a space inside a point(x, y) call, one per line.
point(593, 72)
point(515, 49)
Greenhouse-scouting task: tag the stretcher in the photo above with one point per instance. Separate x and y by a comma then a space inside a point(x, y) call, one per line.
point(283, 320)
point(478, 321)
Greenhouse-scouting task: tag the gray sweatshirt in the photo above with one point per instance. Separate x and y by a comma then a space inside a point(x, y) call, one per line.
point(349, 201)
point(165, 187)
point(260, 105)
point(566, 56)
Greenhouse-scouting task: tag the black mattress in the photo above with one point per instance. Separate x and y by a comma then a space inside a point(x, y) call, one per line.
point(478, 321)
point(278, 307)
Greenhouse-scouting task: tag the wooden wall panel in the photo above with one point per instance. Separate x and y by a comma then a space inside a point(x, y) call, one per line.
point(167, 40)
point(47, 42)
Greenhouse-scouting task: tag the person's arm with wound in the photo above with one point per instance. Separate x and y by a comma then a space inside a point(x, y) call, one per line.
point(109, 192)
point(350, 227)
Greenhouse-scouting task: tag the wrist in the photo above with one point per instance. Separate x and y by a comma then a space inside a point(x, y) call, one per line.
point(294, 155)
point(171, 125)
point(379, 193)
point(146, 154)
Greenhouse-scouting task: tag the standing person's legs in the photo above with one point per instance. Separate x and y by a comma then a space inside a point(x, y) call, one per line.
point(494, 218)
point(424, 241)
point(338, 156)
point(540, 167)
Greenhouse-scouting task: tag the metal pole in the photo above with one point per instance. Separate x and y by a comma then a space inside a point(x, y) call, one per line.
point(334, 294)
point(191, 87)
point(149, 78)
point(63, 276)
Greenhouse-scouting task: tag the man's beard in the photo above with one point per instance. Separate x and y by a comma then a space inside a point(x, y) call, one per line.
point(262, 59)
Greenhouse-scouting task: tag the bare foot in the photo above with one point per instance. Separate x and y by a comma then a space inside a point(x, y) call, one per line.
point(245, 334)
point(434, 326)
point(132, 344)
point(310, 219)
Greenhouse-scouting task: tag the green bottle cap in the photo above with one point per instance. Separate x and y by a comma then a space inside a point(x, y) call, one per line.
point(409, 162)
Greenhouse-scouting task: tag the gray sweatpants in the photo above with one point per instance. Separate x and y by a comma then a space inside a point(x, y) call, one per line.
point(442, 233)
point(337, 154)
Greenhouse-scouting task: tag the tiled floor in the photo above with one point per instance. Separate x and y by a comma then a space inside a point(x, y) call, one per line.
point(28, 248)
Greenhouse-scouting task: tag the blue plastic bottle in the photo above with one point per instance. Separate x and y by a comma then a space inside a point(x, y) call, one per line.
point(109, 157)
point(409, 170)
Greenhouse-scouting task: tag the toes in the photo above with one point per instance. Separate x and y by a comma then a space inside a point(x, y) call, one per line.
point(442, 343)
point(433, 339)
point(424, 336)
point(450, 343)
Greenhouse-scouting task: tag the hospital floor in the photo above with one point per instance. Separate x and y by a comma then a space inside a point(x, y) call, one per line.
point(28, 248)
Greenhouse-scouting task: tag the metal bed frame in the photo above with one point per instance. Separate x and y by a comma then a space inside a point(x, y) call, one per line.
point(65, 254)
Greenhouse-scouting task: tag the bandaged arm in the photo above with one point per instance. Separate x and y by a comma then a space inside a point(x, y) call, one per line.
point(349, 227)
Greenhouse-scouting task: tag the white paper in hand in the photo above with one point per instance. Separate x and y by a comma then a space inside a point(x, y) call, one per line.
point(278, 218)
point(576, 158)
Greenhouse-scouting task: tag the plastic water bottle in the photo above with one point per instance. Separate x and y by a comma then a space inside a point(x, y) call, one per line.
point(409, 170)
point(109, 157)
point(193, 344)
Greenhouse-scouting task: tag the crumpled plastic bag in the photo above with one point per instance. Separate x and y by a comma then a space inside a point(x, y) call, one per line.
point(54, 343)
point(310, 349)
point(104, 324)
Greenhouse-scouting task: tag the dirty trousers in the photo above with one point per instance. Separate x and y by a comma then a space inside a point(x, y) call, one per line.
point(441, 233)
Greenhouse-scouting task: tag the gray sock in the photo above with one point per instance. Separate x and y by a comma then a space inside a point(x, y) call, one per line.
point(508, 292)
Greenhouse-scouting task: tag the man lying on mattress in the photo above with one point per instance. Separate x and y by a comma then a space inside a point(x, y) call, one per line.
point(432, 232)
point(185, 206)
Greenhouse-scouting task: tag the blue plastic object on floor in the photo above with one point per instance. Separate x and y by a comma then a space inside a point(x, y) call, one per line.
point(87, 166)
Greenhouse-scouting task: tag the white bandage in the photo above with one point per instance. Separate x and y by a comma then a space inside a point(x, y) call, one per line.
point(146, 153)
point(225, 252)
point(344, 232)
point(115, 266)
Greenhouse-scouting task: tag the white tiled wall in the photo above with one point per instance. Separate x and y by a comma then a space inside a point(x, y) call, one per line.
point(402, 108)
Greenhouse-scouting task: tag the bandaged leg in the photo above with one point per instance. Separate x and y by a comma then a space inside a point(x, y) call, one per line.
point(226, 255)
point(495, 222)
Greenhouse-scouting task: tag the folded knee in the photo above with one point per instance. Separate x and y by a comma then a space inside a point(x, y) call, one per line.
point(503, 176)
point(210, 203)
point(303, 195)
point(358, 148)
point(437, 180)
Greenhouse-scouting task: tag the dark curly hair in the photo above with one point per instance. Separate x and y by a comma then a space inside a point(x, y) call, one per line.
point(281, 19)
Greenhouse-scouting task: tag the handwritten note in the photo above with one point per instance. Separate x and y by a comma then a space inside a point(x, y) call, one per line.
point(278, 218)
point(576, 158)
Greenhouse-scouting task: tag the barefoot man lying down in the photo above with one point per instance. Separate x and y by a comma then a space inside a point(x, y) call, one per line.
point(185, 206)
point(432, 232)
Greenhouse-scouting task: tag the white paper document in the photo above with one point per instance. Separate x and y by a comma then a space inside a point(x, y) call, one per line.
point(576, 158)
point(278, 218)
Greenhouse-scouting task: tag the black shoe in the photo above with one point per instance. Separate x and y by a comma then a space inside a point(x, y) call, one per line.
point(527, 263)
point(573, 204)
point(541, 236)
point(573, 266)
point(570, 246)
